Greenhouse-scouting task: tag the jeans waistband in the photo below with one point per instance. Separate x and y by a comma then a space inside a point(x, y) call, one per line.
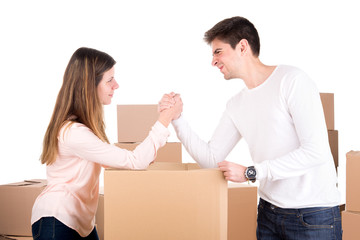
point(277, 209)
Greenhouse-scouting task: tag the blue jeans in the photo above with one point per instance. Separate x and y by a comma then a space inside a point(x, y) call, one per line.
point(318, 223)
point(51, 228)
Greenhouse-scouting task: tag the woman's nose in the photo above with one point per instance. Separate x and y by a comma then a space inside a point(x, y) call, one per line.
point(116, 85)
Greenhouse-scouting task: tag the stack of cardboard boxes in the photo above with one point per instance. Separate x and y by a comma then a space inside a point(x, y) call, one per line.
point(327, 100)
point(351, 216)
point(16, 204)
point(171, 199)
point(133, 125)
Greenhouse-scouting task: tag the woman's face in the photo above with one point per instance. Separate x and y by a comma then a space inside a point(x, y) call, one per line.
point(107, 86)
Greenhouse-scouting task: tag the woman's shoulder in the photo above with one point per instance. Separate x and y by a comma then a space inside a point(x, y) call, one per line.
point(73, 130)
point(73, 125)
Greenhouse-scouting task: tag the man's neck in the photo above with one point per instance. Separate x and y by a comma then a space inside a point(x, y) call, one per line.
point(256, 73)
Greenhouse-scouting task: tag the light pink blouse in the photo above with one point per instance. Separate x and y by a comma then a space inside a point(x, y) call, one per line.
point(71, 195)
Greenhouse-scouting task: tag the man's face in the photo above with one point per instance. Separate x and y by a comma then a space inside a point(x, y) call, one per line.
point(225, 58)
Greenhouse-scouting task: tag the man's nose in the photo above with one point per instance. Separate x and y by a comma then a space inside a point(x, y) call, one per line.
point(214, 62)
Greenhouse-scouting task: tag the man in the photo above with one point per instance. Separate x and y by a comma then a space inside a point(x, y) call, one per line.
point(280, 116)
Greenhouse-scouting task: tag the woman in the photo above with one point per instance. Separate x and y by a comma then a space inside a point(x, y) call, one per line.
point(75, 147)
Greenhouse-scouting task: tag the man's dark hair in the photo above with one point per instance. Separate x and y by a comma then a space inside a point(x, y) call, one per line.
point(232, 31)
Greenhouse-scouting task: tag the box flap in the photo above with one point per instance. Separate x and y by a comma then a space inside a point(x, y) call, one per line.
point(173, 166)
point(28, 183)
point(239, 185)
point(166, 166)
point(353, 154)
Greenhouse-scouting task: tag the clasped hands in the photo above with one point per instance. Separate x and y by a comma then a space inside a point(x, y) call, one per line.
point(170, 108)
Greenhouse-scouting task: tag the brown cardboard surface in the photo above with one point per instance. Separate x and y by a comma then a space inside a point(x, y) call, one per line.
point(135, 121)
point(99, 217)
point(350, 225)
point(334, 145)
point(242, 211)
point(168, 201)
point(353, 181)
point(6, 237)
point(16, 204)
point(171, 152)
point(172, 166)
point(342, 208)
point(327, 100)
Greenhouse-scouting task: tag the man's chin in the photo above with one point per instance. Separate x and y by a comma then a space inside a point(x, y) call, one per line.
point(227, 77)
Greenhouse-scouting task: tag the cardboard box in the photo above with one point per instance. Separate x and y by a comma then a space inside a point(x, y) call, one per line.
point(6, 237)
point(171, 152)
point(353, 181)
point(334, 145)
point(242, 211)
point(99, 217)
point(350, 225)
point(135, 121)
point(16, 202)
point(342, 208)
point(167, 201)
point(327, 100)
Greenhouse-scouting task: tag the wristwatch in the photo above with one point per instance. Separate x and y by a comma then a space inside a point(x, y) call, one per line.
point(250, 174)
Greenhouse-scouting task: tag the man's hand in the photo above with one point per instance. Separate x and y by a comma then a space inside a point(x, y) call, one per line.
point(169, 101)
point(166, 102)
point(232, 171)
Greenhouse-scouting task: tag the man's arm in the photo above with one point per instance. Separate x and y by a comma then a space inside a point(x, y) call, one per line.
point(208, 154)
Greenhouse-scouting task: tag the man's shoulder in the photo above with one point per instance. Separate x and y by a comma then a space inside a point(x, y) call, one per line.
point(294, 78)
point(289, 75)
point(289, 70)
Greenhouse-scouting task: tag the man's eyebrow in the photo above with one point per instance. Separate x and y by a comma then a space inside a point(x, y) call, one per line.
point(216, 50)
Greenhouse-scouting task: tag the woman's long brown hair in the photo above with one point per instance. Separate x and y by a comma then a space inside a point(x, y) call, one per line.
point(78, 98)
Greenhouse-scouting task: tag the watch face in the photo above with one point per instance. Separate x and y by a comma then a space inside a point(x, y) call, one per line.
point(251, 173)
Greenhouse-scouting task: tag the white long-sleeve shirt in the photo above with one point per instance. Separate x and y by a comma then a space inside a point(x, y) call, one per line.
point(71, 194)
point(283, 123)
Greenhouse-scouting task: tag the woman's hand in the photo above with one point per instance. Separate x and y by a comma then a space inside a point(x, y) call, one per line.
point(170, 108)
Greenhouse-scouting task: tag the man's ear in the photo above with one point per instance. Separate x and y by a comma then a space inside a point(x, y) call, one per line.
point(243, 47)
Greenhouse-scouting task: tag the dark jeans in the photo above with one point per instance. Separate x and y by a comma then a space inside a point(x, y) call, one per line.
point(51, 228)
point(319, 223)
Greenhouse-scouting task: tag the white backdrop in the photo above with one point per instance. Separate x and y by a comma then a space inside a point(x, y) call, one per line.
point(159, 48)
